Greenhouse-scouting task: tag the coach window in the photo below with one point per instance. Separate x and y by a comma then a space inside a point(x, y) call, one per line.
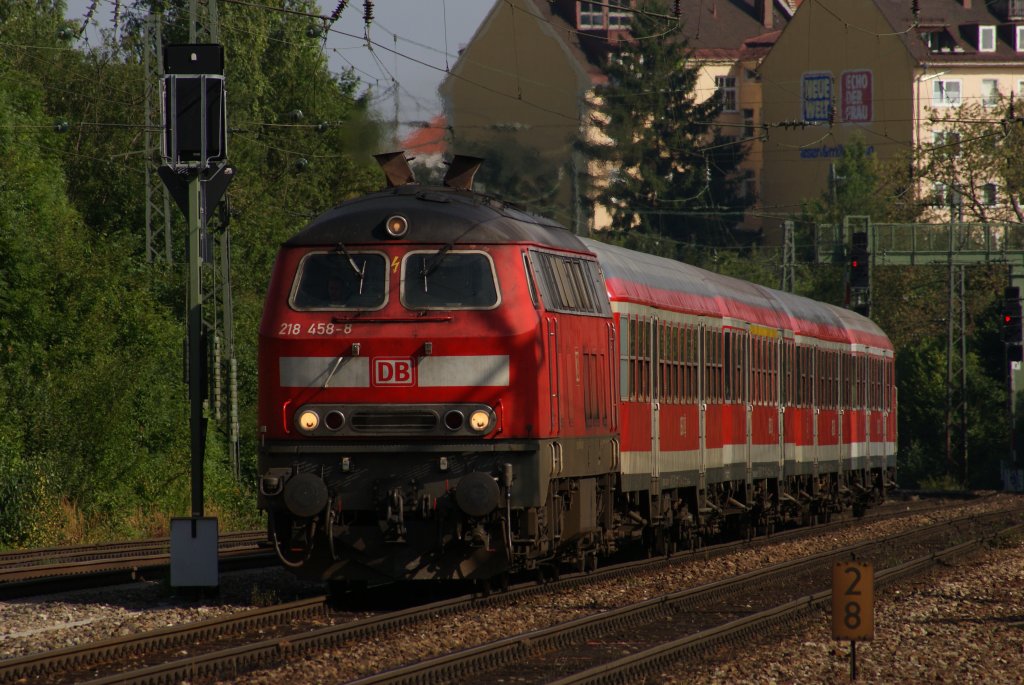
point(713, 365)
point(876, 380)
point(437, 279)
point(804, 381)
point(691, 355)
point(799, 373)
point(727, 364)
point(644, 343)
point(844, 379)
point(640, 359)
point(625, 363)
point(340, 280)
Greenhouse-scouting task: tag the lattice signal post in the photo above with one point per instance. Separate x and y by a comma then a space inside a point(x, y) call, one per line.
point(196, 174)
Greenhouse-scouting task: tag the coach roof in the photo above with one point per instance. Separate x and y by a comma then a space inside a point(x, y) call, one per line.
point(435, 215)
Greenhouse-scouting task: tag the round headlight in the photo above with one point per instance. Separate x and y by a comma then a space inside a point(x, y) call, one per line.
point(453, 420)
point(480, 421)
point(334, 420)
point(309, 420)
point(397, 226)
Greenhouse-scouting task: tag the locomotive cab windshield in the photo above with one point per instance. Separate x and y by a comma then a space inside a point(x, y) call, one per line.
point(335, 280)
point(462, 280)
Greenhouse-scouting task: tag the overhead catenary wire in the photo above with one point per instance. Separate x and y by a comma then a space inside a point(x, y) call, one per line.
point(398, 53)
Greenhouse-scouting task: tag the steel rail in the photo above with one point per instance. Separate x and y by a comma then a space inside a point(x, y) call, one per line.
point(234, 661)
point(114, 550)
point(100, 573)
point(635, 667)
point(116, 650)
point(512, 650)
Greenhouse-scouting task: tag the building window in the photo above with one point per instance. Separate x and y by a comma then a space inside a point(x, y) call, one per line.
point(988, 194)
point(946, 93)
point(989, 92)
point(748, 123)
point(591, 15)
point(947, 142)
point(619, 18)
point(1020, 38)
point(986, 39)
point(939, 193)
point(726, 86)
point(938, 40)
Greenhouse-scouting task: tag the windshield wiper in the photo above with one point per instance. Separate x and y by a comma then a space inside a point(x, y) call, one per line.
point(435, 261)
point(351, 262)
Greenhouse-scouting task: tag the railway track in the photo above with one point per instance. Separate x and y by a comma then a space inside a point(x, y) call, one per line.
point(661, 631)
point(114, 550)
point(222, 647)
point(41, 571)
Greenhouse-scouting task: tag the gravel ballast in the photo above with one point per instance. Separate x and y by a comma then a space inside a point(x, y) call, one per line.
point(964, 623)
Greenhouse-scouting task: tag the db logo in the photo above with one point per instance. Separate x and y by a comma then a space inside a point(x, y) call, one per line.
point(392, 371)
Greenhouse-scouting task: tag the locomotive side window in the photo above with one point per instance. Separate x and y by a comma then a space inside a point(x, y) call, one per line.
point(569, 284)
point(529, 281)
point(449, 280)
point(340, 280)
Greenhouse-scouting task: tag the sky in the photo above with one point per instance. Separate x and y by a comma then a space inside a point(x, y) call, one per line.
point(425, 34)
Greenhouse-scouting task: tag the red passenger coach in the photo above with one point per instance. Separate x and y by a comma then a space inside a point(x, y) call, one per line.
point(453, 388)
point(739, 398)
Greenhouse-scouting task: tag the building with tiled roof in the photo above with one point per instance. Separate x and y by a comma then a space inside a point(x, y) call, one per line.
point(893, 70)
point(527, 72)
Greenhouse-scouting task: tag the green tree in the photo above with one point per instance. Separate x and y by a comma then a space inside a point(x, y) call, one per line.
point(972, 165)
point(93, 413)
point(669, 171)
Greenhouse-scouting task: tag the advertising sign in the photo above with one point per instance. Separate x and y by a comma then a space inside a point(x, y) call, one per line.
point(855, 91)
point(817, 96)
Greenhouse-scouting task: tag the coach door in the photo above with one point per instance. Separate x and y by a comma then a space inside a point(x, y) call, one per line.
point(783, 387)
point(654, 353)
point(815, 406)
point(702, 405)
point(869, 407)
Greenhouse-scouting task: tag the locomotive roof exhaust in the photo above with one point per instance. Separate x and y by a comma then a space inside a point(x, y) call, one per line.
point(461, 170)
point(396, 168)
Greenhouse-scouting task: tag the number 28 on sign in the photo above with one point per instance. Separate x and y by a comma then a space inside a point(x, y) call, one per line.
point(853, 598)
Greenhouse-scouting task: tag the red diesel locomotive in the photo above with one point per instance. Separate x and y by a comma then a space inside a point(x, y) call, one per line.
point(452, 388)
